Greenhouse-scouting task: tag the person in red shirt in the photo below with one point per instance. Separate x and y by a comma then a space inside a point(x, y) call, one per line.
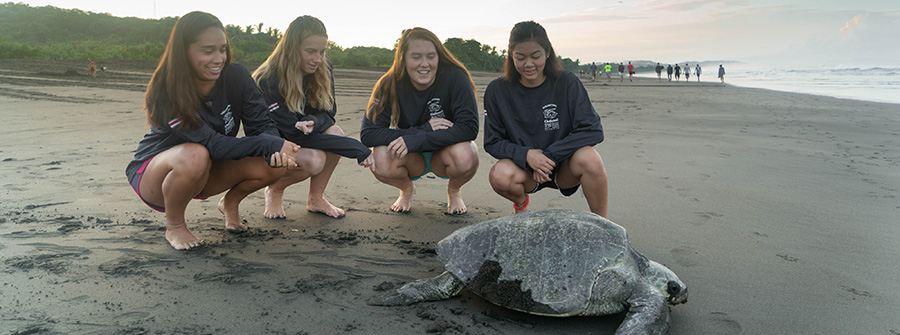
point(630, 71)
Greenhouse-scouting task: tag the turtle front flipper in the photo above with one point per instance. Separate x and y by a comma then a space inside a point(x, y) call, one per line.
point(648, 313)
point(441, 287)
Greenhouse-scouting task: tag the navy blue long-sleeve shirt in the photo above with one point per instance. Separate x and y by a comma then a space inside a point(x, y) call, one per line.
point(450, 97)
point(556, 117)
point(286, 121)
point(234, 99)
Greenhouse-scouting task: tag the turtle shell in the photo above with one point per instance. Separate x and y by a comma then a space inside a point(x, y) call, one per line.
point(543, 262)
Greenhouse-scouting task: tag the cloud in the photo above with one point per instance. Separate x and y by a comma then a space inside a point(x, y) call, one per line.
point(854, 24)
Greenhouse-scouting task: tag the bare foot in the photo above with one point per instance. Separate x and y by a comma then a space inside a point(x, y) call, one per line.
point(274, 204)
point(233, 222)
point(181, 238)
point(404, 201)
point(322, 205)
point(455, 204)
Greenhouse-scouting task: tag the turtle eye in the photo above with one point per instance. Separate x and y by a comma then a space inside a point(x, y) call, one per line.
point(673, 288)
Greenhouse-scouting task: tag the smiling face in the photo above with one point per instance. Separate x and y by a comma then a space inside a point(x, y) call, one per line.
point(206, 57)
point(421, 63)
point(312, 53)
point(530, 59)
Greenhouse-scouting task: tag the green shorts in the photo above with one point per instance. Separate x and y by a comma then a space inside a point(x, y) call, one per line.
point(427, 156)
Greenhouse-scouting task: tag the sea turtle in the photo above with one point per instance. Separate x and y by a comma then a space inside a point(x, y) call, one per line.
point(554, 263)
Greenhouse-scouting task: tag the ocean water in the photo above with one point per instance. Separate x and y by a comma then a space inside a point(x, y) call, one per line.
point(870, 84)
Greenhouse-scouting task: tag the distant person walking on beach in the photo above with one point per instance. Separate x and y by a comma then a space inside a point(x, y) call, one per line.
point(298, 84)
point(541, 125)
point(687, 72)
point(196, 102)
point(92, 68)
point(423, 117)
point(621, 72)
point(608, 69)
point(669, 71)
point(630, 71)
point(721, 73)
point(677, 72)
point(593, 71)
point(659, 69)
point(697, 72)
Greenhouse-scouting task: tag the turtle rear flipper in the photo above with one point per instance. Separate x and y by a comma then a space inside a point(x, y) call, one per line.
point(441, 287)
point(648, 313)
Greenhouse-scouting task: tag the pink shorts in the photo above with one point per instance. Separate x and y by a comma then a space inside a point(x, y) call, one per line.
point(136, 186)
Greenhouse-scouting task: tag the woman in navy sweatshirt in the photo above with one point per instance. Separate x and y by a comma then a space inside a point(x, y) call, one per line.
point(540, 124)
point(422, 116)
point(298, 85)
point(194, 100)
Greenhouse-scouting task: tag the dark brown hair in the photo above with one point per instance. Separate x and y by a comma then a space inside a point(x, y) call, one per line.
point(172, 88)
point(530, 31)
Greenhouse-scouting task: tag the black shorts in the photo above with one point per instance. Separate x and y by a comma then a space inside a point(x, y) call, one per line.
point(566, 192)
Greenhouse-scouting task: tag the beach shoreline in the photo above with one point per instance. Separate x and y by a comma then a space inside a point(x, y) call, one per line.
point(778, 210)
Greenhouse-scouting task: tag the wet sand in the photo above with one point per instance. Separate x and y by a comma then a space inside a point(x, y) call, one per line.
point(780, 212)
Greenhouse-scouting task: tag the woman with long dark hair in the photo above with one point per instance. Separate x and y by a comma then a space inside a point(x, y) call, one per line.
point(194, 101)
point(422, 117)
point(298, 85)
point(540, 124)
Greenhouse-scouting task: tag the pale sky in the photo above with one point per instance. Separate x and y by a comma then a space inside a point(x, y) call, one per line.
point(808, 33)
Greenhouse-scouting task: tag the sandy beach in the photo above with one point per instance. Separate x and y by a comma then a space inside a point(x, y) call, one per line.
point(780, 212)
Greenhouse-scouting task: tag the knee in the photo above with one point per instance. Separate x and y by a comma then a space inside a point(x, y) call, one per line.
point(502, 176)
point(465, 157)
point(589, 162)
point(192, 158)
point(335, 130)
point(311, 160)
point(384, 163)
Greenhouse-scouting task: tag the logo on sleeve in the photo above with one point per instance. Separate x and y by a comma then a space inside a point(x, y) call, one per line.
point(435, 108)
point(551, 118)
point(273, 107)
point(174, 122)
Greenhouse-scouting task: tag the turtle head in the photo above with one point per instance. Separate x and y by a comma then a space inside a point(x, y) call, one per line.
point(664, 280)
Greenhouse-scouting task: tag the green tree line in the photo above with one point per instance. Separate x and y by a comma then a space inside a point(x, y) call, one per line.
point(53, 33)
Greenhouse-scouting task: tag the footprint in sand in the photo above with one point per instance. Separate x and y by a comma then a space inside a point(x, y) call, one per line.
point(685, 256)
point(722, 324)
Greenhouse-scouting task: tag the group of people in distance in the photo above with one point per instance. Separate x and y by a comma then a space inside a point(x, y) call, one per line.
point(607, 68)
point(422, 117)
point(677, 70)
point(687, 72)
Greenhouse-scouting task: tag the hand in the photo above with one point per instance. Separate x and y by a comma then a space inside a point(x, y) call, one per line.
point(305, 126)
point(369, 162)
point(540, 164)
point(286, 157)
point(540, 177)
point(439, 123)
point(398, 148)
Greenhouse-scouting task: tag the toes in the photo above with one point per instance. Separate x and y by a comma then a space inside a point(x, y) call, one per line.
point(398, 209)
point(456, 212)
point(187, 245)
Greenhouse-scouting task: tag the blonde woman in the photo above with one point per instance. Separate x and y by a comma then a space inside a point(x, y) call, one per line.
point(298, 85)
point(422, 117)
